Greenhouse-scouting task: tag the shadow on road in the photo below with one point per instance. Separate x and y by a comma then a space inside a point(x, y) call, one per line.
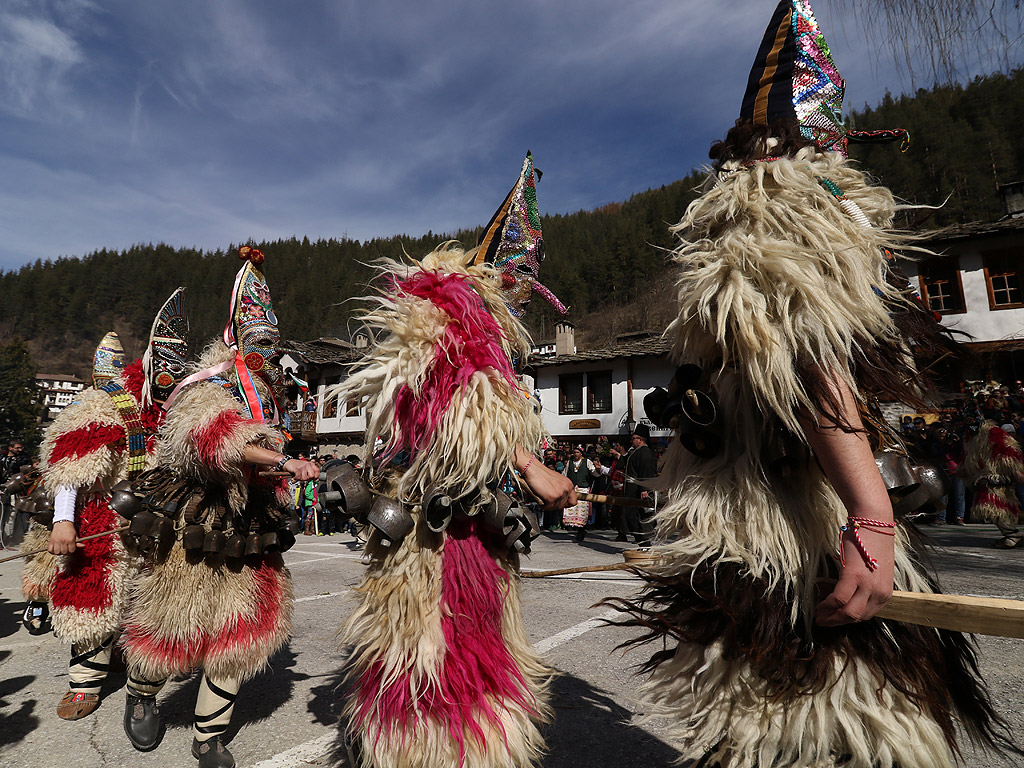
point(15, 724)
point(587, 722)
point(10, 616)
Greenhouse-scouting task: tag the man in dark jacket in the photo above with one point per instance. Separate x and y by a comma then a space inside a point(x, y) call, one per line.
point(640, 465)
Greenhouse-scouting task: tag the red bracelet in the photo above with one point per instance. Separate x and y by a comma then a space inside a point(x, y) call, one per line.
point(853, 524)
point(528, 464)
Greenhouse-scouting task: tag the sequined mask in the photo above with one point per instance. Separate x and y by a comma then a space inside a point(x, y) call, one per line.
point(513, 243)
point(253, 324)
point(167, 356)
point(108, 361)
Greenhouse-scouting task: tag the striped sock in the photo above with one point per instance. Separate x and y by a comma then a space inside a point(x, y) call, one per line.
point(89, 666)
point(214, 705)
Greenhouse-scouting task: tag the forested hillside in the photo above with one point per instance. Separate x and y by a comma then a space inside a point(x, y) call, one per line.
point(609, 265)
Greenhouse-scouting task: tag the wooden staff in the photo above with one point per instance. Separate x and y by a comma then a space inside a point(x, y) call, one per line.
point(84, 538)
point(960, 613)
point(618, 501)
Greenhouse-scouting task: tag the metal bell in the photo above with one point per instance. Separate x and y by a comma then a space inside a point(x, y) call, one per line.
point(340, 477)
point(495, 514)
point(252, 544)
point(162, 528)
point(437, 509)
point(14, 485)
point(214, 542)
point(388, 517)
point(124, 501)
point(269, 542)
point(286, 539)
point(234, 548)
point(142, 523)
point(192, 538)
point(516, 535)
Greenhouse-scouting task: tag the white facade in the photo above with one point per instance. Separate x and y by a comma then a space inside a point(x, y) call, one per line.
point(983, 290)
point(632, 378)
point(58, 391)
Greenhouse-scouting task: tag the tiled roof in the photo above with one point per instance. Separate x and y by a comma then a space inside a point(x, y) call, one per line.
point(323, 351)
point(59, 377)
point(649, 347)
point(974, 229)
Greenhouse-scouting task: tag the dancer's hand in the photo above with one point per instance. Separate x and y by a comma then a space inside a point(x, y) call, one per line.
point(552, 488)
point(301, 469)
point(860, 592)
point(63, 538)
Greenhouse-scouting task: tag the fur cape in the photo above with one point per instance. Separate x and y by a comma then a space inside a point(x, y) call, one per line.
point(993, 465)
point(441, 671)
point(776, 280)
point(84, 448)
point(187, 614)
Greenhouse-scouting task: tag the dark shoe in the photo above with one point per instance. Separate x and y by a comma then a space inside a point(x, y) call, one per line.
point(142, 722)
point(620, 537)
point(959, 521)
point(212, 753)
point(581, 534)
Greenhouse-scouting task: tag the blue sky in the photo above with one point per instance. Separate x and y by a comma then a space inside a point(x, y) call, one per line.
point(207, 122)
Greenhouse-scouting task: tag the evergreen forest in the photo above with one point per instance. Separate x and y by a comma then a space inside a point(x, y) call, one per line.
point(611, 266)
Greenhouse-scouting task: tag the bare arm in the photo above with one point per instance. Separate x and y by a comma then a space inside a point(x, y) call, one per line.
point(554, 489)
point(264, 457)
point(848, 463)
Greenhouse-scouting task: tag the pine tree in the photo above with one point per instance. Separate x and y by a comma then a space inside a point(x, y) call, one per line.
point(20, 404)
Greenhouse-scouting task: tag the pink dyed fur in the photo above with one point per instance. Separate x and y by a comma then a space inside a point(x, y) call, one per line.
point(471, 342)
point(478, 672)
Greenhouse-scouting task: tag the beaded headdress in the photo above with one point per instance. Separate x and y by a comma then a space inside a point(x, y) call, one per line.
point(108, 360)
point(167, 355)
point(252, 327)
point(794, 77)
point(513, 243)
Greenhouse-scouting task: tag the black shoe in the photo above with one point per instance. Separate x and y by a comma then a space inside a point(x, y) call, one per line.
point(212, 753)
point(142, 722)
point(620, 537)
point(36, 618)
point(581, 534)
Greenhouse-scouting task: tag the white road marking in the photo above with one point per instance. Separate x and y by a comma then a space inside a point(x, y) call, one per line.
point(313, 560)
point(320, 597)
point(316, 751)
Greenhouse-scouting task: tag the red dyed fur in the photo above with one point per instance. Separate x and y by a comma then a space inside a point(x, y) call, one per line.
point(478, 672)
point(83, 582)
point(210, 438)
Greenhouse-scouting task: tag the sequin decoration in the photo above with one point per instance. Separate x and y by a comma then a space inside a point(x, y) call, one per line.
point(128, 410)
point(108, 361)
point(818, 87)
point(512, 241)
point(167, 356)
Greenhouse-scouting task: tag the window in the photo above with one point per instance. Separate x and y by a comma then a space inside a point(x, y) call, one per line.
point(331, 408)
point(352, 407)
point(570, 393)
point(941, 288)
point(599, 392)
point(1003, 277)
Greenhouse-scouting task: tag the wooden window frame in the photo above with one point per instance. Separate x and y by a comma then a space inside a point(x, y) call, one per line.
point(562, 410)
point(611, 389)
point(1005, 253)
point(958, 284)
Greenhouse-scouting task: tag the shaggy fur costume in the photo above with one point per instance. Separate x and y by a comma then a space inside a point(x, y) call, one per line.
point(39, 571)
point(193, 614)
point(994, 465)
point(441, 671)
point(85, 448)
point(776, 280)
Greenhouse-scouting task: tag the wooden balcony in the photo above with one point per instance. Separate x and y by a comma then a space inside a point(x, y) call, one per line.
point(303, 424)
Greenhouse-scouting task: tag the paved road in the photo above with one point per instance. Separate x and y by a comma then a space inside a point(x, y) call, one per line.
point(286, 717)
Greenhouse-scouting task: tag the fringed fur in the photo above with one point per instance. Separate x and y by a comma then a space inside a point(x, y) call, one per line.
point(778, 284)
point(428, 311)
point(39, 571)
point(994, 464)
point(196, 614)
point(184, 615)
point(85, 448)
point(425, 688)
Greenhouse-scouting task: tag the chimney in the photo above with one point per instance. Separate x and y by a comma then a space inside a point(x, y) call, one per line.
point(565, 338)
point(1013, 199)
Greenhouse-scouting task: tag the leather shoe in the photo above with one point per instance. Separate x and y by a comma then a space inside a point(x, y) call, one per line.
point(142, 722)
point(212, 753)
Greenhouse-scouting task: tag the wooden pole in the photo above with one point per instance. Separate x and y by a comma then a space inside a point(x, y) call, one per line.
point(618, 501)
point(84, 538)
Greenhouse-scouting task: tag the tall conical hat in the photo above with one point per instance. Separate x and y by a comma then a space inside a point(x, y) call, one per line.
point(108, 361)
point(794, 77)
point(167, 355)
point(513, 243)
point(252, 326)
